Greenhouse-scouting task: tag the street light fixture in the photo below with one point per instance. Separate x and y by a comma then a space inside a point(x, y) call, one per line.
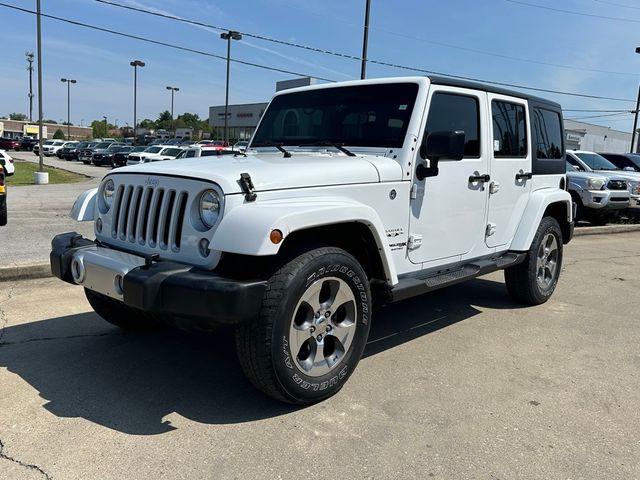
point(635, 121)
point(106, 126)
point(68, 82)
point(135, 64)
point(228, 36)
point(173, 90)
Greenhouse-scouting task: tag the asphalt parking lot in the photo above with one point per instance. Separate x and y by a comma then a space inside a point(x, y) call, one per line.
point(461, 383)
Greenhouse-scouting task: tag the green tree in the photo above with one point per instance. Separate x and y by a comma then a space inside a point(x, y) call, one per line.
point(99, 129)
point(59, 135)
point(18, 116)
point(147, 123)
point(164, 121)
point(50, 121)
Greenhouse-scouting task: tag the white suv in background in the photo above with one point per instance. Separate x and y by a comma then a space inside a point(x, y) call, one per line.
point(52, 148)
point(155, 153)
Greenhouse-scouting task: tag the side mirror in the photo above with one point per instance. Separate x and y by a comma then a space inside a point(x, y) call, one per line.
point(437, 146)
point(629, 169)
point(443, 145)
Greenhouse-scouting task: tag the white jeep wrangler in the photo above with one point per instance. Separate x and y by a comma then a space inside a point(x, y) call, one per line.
point(348, 192)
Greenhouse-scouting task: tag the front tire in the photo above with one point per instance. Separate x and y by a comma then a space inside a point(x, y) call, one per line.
point(117, 313)
point(311, 330)
point(533, 281)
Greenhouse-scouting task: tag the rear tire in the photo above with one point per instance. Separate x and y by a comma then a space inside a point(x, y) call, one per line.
point(533, 281)
point(311, 330)
point(117, 313)
point(3, 210)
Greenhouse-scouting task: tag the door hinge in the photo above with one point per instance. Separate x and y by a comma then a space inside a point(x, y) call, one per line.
point(415, 241)
point(416, 190)
point(491, 229)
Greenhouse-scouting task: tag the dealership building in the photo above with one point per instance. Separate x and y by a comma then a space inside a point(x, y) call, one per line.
point(243, 119)
point(595, 138)
point(19, 128)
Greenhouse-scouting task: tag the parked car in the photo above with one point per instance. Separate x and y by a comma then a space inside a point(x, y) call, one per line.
point(154, 153)
point(71, 144)
point(7, 163)
point(45, 144)
point(71, 152)
point(27, 143)
point(203, 151)
point(240, 146)
point(599, 197)
point(104, 156)
point(293, 242)
point(9, 144)
point(219, 144)
point(86, 154)
point(119, 158)
point(592, 162)
point(50, 149)
point(624, 161)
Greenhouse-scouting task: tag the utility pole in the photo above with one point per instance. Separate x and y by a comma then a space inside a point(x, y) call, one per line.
point(68, 82)
point(365, 41)
point(39, 44)
point(29, 56)
point(135, 64)
point(228, 36)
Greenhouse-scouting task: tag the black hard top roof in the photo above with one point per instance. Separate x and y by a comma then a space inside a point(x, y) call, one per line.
point(455, 82)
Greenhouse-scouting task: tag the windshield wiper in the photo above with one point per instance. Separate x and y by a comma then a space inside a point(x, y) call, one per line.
point(326, 143)
point(273, 144)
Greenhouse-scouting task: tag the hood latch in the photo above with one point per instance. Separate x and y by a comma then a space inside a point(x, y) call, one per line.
point(247, 187)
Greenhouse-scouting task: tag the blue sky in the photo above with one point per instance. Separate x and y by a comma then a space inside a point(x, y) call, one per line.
point(477, 38)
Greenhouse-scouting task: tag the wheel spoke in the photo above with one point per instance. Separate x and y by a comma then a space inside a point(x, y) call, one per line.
point(297, 337)
point(344, 332)
point(341, 296)
point(312, 296)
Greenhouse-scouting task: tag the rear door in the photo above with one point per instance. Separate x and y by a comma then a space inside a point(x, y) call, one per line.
point(510, 167)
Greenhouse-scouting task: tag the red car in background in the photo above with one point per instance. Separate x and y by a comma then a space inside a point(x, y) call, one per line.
point(217, 144)
point(9, 144)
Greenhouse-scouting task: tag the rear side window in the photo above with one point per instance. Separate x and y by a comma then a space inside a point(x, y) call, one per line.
point(509, 129)
point(451, 112)
point(191, 153)
point(548, 132)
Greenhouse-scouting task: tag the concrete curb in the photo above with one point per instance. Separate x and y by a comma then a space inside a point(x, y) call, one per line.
point(25, 272)
point(43, 270)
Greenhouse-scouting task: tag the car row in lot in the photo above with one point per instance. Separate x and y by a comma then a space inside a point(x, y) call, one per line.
point(601, 189)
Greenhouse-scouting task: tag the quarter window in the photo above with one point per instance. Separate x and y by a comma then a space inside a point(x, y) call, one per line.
point(451, 112)
point(509, 129)
point(548, 132)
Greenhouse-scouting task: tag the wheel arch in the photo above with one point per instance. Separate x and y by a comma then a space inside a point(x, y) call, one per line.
point(545, 202)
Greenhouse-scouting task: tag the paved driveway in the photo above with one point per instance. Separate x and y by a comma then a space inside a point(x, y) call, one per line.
point(457, 384)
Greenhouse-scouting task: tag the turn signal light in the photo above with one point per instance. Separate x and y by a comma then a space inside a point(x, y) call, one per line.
point(275, 236)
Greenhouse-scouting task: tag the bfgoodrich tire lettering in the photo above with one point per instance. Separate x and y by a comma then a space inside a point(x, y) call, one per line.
point(311, 330)
point(534, 280)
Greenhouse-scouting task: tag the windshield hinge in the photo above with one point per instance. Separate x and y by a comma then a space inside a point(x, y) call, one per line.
point(247, 187)
point(415, 241)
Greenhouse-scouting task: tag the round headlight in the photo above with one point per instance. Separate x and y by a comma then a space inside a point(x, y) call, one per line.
point(107, 194)
point(209, 207)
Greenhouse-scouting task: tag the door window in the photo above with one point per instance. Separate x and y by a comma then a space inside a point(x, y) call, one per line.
point(452, 112)
point(509, 129)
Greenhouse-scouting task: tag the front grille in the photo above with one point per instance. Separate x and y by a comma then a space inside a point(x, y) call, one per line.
point(619, 199)
point(617, 185)
point(149, 216)
point(134, 158)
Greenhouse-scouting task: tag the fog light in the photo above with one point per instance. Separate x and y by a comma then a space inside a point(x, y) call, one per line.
point(77, 270)
point(203, 247)
point(118, 284)
point(99, 225)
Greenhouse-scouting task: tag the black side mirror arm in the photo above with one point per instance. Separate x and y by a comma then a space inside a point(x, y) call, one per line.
point(422, 171)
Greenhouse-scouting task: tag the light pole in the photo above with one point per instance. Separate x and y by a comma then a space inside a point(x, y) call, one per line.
point(173, 90)
point(135, 64)
point(68, 81)
point(106, 126)
point(228, 36)
point(42, 177)
point(365, 41)
point(635, 120)
point(29, 56)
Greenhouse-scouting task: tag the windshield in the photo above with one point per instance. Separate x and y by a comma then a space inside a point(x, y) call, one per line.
point(48, 142)
point(103, 145)
point(153, 150)
point(114, 148)
point(81, 145)
point(363, 116)
point(596, 162)
point(171, 151)
point(139, 149)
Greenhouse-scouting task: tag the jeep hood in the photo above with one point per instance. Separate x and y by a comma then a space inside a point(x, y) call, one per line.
point(273, 171)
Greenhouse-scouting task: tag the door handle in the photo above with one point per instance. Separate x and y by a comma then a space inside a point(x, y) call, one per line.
point(523, 176)
point(479, 178)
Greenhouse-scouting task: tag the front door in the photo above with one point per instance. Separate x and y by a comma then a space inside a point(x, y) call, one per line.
point(448, 211)
point(510, 168)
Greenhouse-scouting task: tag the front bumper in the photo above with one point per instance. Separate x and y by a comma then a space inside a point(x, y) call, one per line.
point(605, 199)
point(160, 287)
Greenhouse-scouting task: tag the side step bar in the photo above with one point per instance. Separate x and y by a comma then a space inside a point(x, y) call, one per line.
point(418, 283)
